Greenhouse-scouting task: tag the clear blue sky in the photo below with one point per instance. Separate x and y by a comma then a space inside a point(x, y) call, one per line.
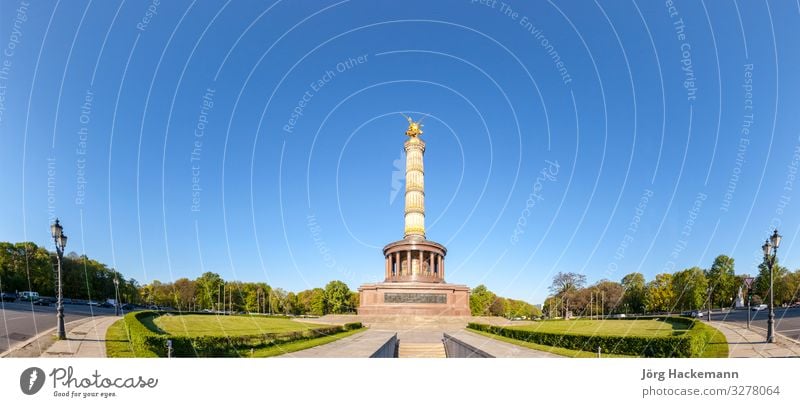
point(642, 107)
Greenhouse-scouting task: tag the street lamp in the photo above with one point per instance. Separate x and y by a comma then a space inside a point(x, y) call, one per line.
point(708, 297)
point(770, 248)
point(60, 240)
point(116, 294)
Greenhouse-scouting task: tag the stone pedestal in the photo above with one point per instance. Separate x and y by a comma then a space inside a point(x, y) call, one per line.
point(414, 298)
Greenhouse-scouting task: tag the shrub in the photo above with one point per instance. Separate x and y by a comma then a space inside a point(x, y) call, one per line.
point(142, 338)
point(670, 346)
point(352, 325)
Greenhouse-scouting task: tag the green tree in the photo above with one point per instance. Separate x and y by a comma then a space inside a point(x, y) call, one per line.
point(658, 294)
point(553, 307)
point(277, 300)
point(480, 300)
point(633, 298)
point(761, 285)
point(722, 280)
point(792, 285)
point(207, 292)
point(292, 304)
point(337, 297)
point(318, 302)
point(355, 300)
point(689, 289)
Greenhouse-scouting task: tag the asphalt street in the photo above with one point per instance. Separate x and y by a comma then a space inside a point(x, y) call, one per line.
point(787, 320)
point(20, 321)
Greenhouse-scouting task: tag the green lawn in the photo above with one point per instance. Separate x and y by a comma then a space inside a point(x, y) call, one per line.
point(118, 345)
point(298, 345)
point(228, 325)
point(570, 353)
point(647, 328)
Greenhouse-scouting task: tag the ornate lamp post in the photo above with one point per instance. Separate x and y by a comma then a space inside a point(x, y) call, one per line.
point(61, 242)
point(116, 294)
point(770, 248)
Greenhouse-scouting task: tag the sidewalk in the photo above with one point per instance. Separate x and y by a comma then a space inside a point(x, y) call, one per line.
point(87, 340)
point(744, 343)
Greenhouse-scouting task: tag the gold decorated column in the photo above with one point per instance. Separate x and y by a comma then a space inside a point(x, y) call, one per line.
point(415, 183)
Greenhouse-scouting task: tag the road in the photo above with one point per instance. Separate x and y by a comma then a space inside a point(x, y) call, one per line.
point(20, 321)
point(787, 320)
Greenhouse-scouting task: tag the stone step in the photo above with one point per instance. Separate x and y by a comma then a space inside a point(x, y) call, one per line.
point(421, 350)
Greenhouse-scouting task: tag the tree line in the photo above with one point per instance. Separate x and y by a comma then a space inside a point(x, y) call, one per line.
point(28, 267)
point(483, 302)
point(689, 289)
point(212, 293)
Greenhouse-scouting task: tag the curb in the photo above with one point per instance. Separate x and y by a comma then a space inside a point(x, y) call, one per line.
point(34, 339)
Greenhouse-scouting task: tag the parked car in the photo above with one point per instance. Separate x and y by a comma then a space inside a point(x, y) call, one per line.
point(106, 305)
point(759, 307)
point(617, 316)
point(93, 303)
point(45, 301)
point(8, 297)
point(693, 313)
point(127, 307)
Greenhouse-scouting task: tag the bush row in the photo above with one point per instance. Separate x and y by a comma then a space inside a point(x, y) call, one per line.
point(352, 325)
point(684, 345)
point(701, 335)
point(144, 338)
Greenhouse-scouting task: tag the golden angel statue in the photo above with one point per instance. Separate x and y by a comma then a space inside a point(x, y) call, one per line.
point(414, 128)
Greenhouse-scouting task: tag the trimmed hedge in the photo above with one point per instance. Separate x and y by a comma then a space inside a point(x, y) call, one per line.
point(143, 338)
point(352, 325)
point(701, 335)
point(686, 345)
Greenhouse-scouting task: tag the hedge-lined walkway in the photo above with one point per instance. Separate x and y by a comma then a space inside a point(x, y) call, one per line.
point(87, 340)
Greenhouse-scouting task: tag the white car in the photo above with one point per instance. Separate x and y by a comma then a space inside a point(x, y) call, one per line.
point(759, 307)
